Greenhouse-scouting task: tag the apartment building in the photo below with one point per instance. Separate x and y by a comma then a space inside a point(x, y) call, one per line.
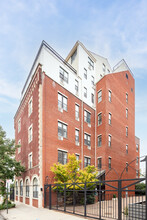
point(75, 105)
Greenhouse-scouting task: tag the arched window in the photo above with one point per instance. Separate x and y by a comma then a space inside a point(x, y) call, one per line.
point(16, 188)
point(27, 188)
point(21, 188)
point(35, 188)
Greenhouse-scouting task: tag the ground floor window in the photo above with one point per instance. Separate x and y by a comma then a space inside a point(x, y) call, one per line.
point(35, 188)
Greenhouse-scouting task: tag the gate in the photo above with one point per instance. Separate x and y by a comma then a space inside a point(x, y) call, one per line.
point(12, 193)
point(114, 199)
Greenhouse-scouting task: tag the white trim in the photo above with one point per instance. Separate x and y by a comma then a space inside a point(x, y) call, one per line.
point(77, 104)
point(99, 113)
point(62, 122)
point(29, 141)
point(77, 129)
point(62, 150)
point(87, 110)
point(87, 156)
point(77, 154)
point(87, 134)
point(109, 157)
point(99, 90)
point(99, 135)
point(99, 157)
point(62, 94)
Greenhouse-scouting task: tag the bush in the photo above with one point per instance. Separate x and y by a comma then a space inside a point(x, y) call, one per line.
point(140, 189)
point(10, 205)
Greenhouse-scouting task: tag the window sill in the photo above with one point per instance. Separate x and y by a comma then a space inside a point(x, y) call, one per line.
point(35, 198)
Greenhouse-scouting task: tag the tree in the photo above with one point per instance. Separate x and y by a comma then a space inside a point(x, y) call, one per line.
point(71, 172)
point(9, 167)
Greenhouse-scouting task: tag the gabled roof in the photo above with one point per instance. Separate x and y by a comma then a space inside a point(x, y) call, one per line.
point(122, 66)
point(75, 47)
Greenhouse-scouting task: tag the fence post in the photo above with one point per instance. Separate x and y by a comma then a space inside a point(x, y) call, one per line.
point(85, 198)
point(44, 196)
point(146, 185)
point(50, 196)
point(64, 197)
point(100, 193)
point(73, 197)
point(119, 201)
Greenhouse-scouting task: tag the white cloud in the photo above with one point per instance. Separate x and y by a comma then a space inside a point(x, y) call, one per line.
point(9, 89)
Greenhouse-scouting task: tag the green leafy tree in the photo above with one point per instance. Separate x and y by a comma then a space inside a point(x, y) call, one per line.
point(9, 167)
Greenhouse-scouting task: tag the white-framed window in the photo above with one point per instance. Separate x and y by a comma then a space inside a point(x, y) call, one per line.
point(87, 161)
point(137, 174)
point(19, 149)
point(110, 116)
point(62, 157)
point(30, 161)
point(126, 113)
point(77, 136)
point(35, 188)
point(30, 133)
point(30, 106)
point(109, 162)
point(87, 117)
point(77, 112)
point(87, 139)
point(19, 125)
point(126, 131)
point(62, 102)
point(127, 167)
point(126, 97)
point(85, 92)
point(104, 68)
point(62, 130)
point(137, 161)
point(99, 119)
point(126, 148)
point(16, 187)
point(99, 161)
point(21, 188)
point(63, 74)
point(27, 188)
point(90, 63)
point(76, 86)
point(109, 140)
point(85, 73)
point(92, 98)
point(92, 80)
point(110, 95)
point(99, 140)
point(137, 147)
point(99, 96)
point(77, 157)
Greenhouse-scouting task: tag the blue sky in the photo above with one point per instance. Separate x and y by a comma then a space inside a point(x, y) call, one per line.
point(115, 29)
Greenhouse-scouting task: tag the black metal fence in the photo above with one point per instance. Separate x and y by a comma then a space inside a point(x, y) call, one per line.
point(115, 199)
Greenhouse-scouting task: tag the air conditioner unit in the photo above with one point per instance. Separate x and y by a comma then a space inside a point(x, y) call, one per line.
point(89, 125)
point(77, 143)
point(89, 147)
point(60, 138)
point(60, 109)
point(77, 118)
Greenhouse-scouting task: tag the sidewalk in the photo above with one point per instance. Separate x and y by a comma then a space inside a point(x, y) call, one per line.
point(23, 212)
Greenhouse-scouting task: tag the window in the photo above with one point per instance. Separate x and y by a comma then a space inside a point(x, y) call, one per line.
point(76, 86)
point(30, 106)
point(87, 161)
point(77, 136)
point(30, 162)
point(109, 162)
point(62, 157)
point(73, 56)
point(104, 68)
point(92, 98)
point(19, 125)
point(62, 102)
point(99, 96)
point(126, 166)
point(87, 140)
point(19, 149)
point(92, 80)
point(126, 149)
point(109, 140)
point(99, 163)
point(126, 97)
point(137, 174)
point(16, 188)
point(126, 113)
point(85, 73)
point(85, 92)
point(62, 130)
point(108, 71)
point(126, 75)
point(99, 119)
point(63, 75)
point(30, 133)
point(21, 188)
point(110, 94)
point(137, 147)
point(99, 140)
point(35, 188)
point(91, 63)
point(77, 157)
point(77, 112)
point(137, 160)
point(27, 188)
point(87, 117)
point(110, 118)
point(126, 131)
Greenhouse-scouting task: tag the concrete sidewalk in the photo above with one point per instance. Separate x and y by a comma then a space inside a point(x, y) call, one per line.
point(26, 212)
